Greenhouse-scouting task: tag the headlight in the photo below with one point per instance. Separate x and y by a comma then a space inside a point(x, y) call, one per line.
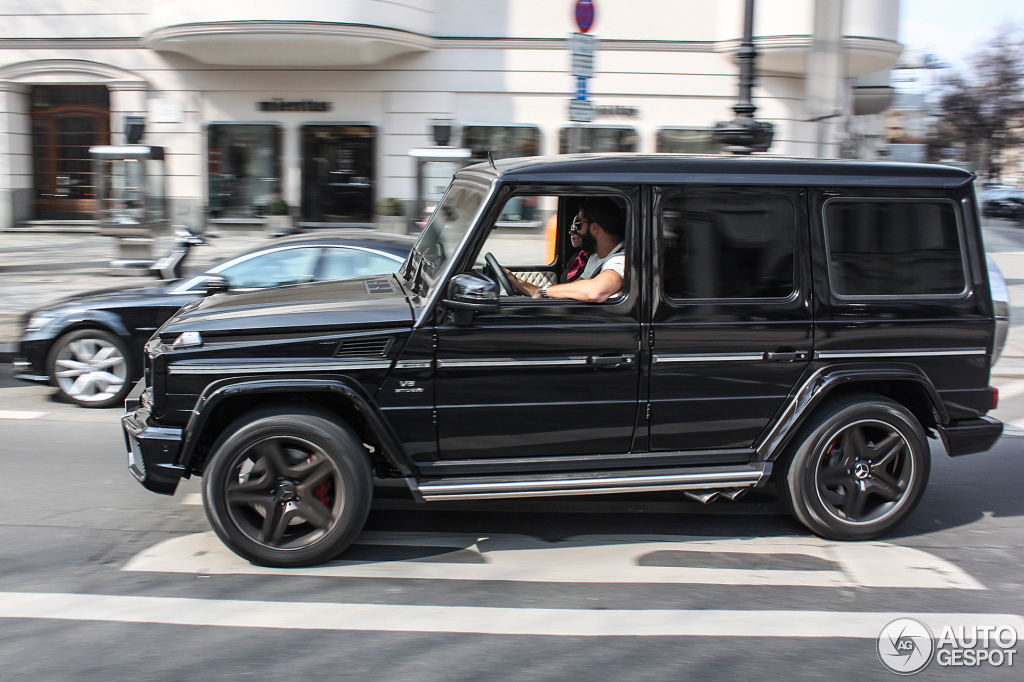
point(37, 322)
point(187, 340)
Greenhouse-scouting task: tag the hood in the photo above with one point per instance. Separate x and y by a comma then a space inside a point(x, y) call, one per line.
point(366, 302)
point(101, 297)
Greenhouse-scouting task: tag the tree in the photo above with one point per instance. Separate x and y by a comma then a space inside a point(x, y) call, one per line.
point(985, 112)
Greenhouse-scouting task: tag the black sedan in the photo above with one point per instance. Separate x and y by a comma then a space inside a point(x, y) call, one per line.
point(90, 345)
point(1003, 204)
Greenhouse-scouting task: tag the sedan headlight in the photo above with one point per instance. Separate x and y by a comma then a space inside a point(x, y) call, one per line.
point(38, 321)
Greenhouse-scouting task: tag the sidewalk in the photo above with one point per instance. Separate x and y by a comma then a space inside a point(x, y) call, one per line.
point(38, 268)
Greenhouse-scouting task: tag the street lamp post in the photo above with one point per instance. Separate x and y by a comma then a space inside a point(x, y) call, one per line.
point(743, 134)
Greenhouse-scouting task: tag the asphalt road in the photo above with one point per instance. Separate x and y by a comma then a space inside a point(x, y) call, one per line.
point(101, 580)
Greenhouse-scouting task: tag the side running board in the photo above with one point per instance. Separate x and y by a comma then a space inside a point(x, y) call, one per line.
point(589, 483)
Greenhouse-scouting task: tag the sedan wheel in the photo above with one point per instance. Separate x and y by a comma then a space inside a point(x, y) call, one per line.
point(90, 368)
point(287, 488)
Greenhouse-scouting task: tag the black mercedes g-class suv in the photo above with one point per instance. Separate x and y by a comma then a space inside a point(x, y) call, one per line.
point(804, 322)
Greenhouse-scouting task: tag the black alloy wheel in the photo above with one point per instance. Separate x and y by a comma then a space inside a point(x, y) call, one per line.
point(288, 487)
point(857, 469)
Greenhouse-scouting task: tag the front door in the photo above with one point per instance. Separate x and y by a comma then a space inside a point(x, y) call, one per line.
point(732, 324)
point(66, 121)
point(540, 378)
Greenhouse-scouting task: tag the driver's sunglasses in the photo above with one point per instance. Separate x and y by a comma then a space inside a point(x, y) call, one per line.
point(576, 225)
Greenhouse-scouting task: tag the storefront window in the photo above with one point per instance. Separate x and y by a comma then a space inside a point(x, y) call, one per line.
point(244, 168)
point(591, 139)
point(687, 141)
point(503, 142)
point(338, 173)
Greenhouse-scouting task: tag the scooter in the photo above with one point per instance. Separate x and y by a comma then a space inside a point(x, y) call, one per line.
point(171, 266)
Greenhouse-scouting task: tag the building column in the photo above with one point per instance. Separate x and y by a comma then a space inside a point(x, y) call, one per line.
point(126, 98)
point(15, 154)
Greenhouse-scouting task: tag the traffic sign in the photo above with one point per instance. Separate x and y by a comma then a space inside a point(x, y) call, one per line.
point(581, 111)
point(582, 55)
point(585, 14)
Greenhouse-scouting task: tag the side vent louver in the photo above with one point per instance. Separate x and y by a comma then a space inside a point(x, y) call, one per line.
point(379, 286)
point(364, 348)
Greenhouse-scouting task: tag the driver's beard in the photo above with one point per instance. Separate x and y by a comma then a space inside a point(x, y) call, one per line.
point(588, 242)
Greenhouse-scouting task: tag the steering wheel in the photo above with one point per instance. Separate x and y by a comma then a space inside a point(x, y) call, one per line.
point(495, 271)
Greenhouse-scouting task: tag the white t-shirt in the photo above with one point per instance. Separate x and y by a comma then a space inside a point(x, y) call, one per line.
point(615, 261)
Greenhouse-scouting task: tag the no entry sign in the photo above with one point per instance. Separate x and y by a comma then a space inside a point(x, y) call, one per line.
point(585, 14)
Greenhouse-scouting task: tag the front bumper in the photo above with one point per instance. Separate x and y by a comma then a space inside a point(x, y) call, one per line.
point(30, 362)
point(152, 450)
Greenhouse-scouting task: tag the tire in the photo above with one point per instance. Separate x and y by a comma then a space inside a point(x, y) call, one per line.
point(857, 469)
point(287, 486)
point(90, 368)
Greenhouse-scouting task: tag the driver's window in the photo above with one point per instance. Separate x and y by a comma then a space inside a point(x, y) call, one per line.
point(524, 235)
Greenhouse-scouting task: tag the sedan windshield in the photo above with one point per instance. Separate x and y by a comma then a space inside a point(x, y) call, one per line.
point(446, 227)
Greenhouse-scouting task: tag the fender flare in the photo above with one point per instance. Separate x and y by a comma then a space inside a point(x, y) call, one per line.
point(821, 383)
point(217, 392)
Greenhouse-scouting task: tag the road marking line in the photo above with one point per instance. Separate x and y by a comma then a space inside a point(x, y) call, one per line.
point(193, 499)
point(21, 414)
point(472, 619)
point(588, 559)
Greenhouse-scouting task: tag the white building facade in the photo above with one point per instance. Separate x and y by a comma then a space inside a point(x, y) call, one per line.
point(320, 102)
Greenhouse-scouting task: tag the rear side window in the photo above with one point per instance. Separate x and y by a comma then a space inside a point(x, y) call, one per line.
point(894, 248)
point(725, 245)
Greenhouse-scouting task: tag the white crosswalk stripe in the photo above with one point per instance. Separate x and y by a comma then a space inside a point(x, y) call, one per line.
point(472, 619)
point(593, 559)
point(21, 414)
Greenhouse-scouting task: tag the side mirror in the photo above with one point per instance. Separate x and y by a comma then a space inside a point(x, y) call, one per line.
point(217, 284)
point(468, 294)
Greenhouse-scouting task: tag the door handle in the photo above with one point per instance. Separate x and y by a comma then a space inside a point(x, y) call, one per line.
point(785, 355)
point(609, 360)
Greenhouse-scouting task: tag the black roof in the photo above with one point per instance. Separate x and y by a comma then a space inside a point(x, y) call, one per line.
point(693, 169)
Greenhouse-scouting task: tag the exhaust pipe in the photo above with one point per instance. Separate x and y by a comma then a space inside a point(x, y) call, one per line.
point(703, 496)
point(734, 494)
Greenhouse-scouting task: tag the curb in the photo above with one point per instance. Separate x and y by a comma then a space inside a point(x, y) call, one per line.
point(50, 267)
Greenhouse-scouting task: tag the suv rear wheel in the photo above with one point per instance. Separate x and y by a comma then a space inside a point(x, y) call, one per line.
point(857, 469)
point(287, 487)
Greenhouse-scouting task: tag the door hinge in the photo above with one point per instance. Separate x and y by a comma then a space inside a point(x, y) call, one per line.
point(433, 341)
point(648, 412)
point(433, 417)
point(650, 337)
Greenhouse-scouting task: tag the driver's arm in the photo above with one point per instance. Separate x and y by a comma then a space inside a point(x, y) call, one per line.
point(596, 290)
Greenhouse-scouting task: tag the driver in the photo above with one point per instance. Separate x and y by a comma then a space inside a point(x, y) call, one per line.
point(601, 230)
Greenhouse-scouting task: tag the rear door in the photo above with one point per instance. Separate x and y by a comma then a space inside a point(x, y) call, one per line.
point(731, 325)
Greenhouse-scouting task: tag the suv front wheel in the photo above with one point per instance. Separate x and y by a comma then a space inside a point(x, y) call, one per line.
point(287, 487)
point(857, 469)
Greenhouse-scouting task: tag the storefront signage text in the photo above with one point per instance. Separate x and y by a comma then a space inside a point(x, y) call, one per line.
point(606, 111)
point(278, 104)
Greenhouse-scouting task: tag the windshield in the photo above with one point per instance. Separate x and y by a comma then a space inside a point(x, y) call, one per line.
point(447, 225)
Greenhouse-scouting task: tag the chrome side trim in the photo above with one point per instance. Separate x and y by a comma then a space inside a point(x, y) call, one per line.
point(414, 364)
point(636, 482)
point(910, 352)
point(513, 362)
point(782, 426)
point(275, 367)
point(707, 357)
